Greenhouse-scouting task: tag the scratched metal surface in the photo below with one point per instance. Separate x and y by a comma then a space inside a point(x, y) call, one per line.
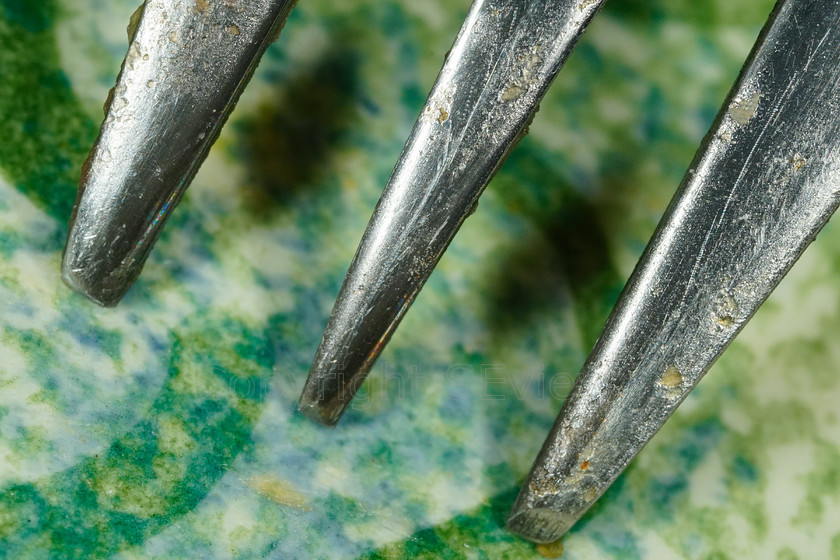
point(180, 80)
point(165, 428)
point(502, 63)
point(762, 186)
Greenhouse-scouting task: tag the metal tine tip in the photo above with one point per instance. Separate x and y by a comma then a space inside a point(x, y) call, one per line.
point(503, 61)
point(186, 66)
point(764, 182)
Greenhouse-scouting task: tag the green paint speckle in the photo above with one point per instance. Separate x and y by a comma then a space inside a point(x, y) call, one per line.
point(46, 134)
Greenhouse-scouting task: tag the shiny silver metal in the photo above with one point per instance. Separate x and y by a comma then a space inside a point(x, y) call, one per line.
point(765, 181)
point(187, 63)
point(503, 61)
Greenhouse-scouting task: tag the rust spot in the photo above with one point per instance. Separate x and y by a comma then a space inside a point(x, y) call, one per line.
point(551, 550)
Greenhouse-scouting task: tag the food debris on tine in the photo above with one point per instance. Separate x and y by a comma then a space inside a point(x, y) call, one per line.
point(764, 182)
point(186, 66)
point(503, 61)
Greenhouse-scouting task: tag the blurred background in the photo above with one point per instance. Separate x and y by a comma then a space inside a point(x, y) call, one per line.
point(166, 428)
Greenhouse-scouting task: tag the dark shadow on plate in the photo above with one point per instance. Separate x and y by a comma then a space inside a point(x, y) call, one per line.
point(705, 13)
point(567, 249)
point(287, 143)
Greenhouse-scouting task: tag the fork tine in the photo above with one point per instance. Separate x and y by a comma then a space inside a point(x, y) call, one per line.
point(187, 64)
point(764, 182)
point(503, 61)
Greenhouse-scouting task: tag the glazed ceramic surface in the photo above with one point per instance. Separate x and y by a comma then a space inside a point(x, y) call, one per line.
point(166, 428)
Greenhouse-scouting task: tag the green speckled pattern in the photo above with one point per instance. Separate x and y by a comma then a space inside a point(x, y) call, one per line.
point(166, 428)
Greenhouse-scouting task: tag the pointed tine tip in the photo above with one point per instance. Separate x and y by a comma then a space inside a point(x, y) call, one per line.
point(76, 284)
point(326, 395)
point(317, 413)
point(540, 525)
point(101, 272)
point(90, 283)
point(347, 351)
